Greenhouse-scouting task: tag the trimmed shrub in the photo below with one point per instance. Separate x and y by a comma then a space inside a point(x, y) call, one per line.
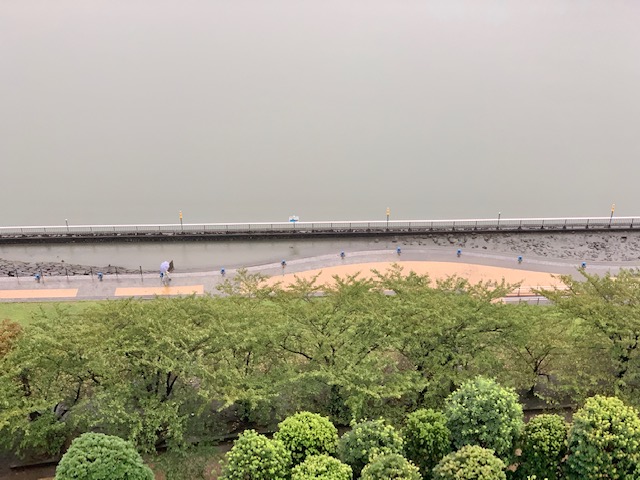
point(367, 440)
point(426, 439)
point(96, 456)
point(391, 466)
point(306, 434)
point(322, 467)
point(483, 413)
point(255, 456)
point(544, 445)
point(471, 462)
point(604, 441)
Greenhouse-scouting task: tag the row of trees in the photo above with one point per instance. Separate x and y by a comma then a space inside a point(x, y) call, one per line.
point(168, 371)
point(475, 437)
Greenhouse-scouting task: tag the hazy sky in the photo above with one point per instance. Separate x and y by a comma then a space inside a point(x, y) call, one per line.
point(125, 111)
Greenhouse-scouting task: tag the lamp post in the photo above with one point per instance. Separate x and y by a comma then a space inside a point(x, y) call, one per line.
point(181, 227)
point(67, 222)
point(388, 215)
point(499, 214)
point(613, 207)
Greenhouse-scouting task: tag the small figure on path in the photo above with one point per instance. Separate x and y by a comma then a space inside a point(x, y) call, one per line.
point(165, 268)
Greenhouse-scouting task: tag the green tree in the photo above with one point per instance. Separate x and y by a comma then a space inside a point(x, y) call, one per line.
point(605, 313)
point(443, 329)
point(483, 413)
point(392, 466)
point(535, 344)
point(338, 347)
point(256, 457)
point(321, 467)
point(426, 439)
point(544, 445)
point(94, 456)
point(307, 433)
point(604, 441)
point(471, 462)
point(365, 441)
point(126, 367)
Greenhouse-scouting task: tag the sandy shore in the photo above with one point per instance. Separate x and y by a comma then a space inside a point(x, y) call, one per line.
point(436, 270)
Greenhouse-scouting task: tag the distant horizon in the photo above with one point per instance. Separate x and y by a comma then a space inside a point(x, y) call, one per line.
point(119, 112)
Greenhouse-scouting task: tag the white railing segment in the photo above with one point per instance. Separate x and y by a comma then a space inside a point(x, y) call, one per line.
point(330, 226)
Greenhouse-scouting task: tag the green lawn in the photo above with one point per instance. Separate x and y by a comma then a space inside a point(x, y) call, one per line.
point(24, 312)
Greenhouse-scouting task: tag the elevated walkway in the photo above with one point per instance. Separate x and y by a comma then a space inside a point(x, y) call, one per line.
point(199, 231)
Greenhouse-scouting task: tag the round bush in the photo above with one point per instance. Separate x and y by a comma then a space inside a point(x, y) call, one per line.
point(471, 462)
point(544, 445)
point(322, 467)
point(367, 440)
point(96, 456)
point(306, 434)
point(391, 466)
point(426, 439)
point(604, 441)
point(255, 456)
point(483, 413)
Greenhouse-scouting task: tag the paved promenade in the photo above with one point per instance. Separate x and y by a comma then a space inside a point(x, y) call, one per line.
point(438, 262)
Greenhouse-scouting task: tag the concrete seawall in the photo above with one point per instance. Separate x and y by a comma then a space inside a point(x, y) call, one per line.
point(302, 230)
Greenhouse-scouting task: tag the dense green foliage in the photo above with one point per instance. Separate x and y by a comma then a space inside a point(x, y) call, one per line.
point(391, 466)
point(167, 372)
point(544, 445)
point(426, 439)
point(603, 335)
point(94, 456)
point(471, 462)
point(483, 413)
point(367, 440)
point(321, 467)
point(306, 434)
point(255, 456)
point(604, 441)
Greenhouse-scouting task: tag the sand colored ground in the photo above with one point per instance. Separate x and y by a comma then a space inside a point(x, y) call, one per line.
point(150, 291)
point(436, 270)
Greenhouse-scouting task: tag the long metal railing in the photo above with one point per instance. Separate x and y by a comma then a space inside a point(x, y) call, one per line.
point(359, 227)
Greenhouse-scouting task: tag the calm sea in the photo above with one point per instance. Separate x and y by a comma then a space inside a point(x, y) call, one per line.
point(130, 112)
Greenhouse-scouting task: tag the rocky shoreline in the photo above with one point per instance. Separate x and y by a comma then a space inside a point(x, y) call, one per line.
point(594, 246)
point(11, 268)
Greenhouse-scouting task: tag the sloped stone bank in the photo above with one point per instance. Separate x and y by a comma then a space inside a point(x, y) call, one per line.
point(12, 268)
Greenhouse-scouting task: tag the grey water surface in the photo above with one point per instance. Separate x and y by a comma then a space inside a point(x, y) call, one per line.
point(128, 112)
